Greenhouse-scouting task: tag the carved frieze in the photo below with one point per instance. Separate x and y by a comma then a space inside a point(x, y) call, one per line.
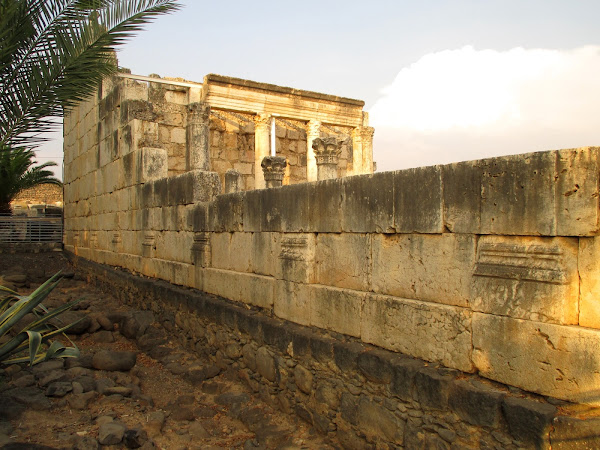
point(529, 278)
point(149, 244)
point(294, 248)
point(542, 263)
point(201, 251)
point(296, 258)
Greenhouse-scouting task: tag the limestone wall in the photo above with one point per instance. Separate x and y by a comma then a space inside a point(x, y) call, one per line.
point(222, 124)
point(486, 266)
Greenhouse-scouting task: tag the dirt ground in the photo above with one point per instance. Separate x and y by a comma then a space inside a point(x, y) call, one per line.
point(167, 411)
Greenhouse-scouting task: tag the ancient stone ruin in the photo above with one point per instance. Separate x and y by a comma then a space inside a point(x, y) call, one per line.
point(444, 305)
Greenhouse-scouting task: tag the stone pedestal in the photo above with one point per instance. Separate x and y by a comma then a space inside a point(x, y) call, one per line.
point(327, 152)
point(197, 137)
point(261, 147)
point(313, 131)
point(233, 181)
point(273, 170)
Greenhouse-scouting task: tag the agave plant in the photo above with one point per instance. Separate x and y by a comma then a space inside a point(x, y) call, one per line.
point(32, 342)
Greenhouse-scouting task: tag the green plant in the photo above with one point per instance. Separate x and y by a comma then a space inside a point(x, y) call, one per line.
point(54, 53)
point(32, 342)
point(17, 174)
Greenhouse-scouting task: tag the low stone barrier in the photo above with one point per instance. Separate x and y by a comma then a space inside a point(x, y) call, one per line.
point(360, 395)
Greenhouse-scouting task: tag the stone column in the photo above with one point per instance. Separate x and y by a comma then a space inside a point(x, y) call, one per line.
point(327, 153)
point(362, 150)
point(198, 137)
point(261, 147)
point(273, 169)
point(313, 131)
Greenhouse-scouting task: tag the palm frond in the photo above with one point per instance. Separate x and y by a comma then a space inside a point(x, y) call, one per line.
point(54, 53)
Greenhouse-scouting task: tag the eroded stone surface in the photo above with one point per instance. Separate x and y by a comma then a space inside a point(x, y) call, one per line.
point(425, 330)
point(549, 359)
point(403, 266)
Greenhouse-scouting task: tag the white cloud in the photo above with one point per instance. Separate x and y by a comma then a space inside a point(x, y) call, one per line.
point(465, 104)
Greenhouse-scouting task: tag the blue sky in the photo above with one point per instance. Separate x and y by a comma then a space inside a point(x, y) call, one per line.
point(382, 51)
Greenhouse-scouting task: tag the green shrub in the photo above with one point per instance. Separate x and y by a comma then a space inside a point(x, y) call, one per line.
point(32, 343)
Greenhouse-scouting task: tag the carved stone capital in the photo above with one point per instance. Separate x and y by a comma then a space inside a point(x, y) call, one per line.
point(262, 122)
point(327, 150)
point(273, 170)
point(198, 112)
point(365, 134)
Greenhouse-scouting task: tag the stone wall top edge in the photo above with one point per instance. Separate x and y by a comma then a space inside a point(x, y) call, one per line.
point(249, 84)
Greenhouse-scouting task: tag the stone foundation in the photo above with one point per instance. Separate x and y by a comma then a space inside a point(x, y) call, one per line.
point(356, 394)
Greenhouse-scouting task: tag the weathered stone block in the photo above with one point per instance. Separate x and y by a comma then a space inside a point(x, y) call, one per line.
point(529, 421)
point(339, 310)
point(265, 364)
point(528, 278)
point(574, 433)
point(292, 302)
point(403, 378)
point(325, 206)
point(589, 282)
point(556, 360)
point(247, 288)
point(368, 203)
point(220, 250)
point(343, 260)
point(199, 217)
point(161, 192)
point(433, 387)
point(378, 422)
point(206, 185)
point(303, 379)
point(240, 252)
point(476, 403)
point(345, 355)
point(577, 171)
point(253, 210)
point(375, 366)
point(296, 258)
point(424, 267)
point(436, 333)
point(462, 196)
point(265, 253)
point(226, 213)
point(418, 200)
point(518, 195)
point(285, 209)
point(180, 190)
point(153, 165)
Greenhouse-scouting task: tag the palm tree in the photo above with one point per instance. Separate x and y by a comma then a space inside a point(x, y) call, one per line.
point(17, 173)
point(54, 53)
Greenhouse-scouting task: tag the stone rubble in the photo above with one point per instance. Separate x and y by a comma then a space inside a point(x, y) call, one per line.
point(107, 385)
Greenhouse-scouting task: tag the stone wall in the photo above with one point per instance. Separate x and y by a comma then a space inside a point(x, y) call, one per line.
point(485, 267)
point(358, 395)
point(43, 194)
point(222, 124)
